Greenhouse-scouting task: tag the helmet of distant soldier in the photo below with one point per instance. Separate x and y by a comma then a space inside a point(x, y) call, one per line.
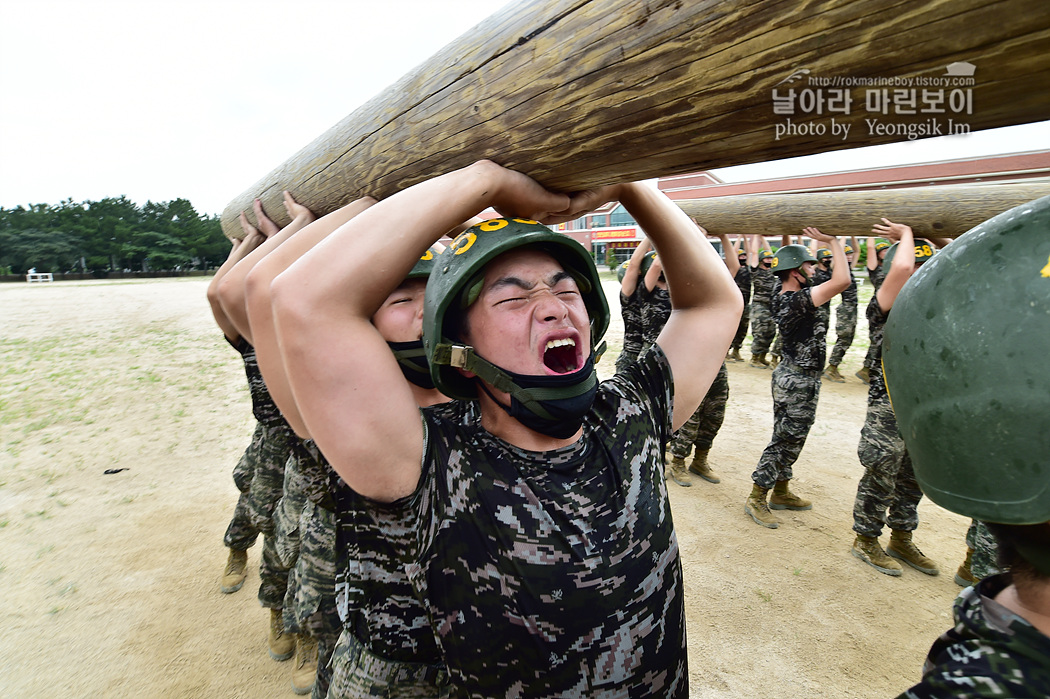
point(791, 257)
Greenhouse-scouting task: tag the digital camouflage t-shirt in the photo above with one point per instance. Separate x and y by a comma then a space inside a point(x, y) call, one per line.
point(803, 329)
point(552, 574)
point(991, 652)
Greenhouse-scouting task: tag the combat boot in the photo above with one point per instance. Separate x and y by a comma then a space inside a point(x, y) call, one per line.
point(734, 355)
point(677, 472)
point(759, 361)
point(758, 509)
point(864, 374)
point(236, 571)
point(964, 576)
point(868, 549)
point(784, 499)
point(699, 467)
point(304, 674)
point(832, 373)
point(902, 548)
point(282, 643)
point(774, 360)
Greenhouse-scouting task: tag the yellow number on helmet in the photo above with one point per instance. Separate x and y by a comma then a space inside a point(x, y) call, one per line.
point(428, 255)
point(463, 242)
point(924, 251)
point(525, 220)
point(775, 261)
point(493, 224)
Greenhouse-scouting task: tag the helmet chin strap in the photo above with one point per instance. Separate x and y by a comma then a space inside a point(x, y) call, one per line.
point(464, 357)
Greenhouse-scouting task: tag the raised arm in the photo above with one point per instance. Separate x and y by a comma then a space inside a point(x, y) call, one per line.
point(258, 301)
point(856, 251)
point(706, 303)
point(840, 279)
point(241, 247)
point(732, 263)
point(872, 257)
point(347, 385)
point(232, 289)
point(902, 265)
point(634, 265)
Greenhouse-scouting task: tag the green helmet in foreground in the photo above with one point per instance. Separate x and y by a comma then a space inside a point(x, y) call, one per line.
point(965, 356)
point(791, 257)
point(425, 265)
point(456, 281)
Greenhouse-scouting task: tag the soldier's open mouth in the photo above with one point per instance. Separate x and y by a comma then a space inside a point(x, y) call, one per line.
point(560, 356)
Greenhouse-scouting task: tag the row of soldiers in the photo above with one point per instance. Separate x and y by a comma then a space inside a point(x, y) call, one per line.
point(887, 493)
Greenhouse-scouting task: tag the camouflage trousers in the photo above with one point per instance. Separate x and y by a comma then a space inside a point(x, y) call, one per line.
point(985, 561)
point(845, 330)
point(795, 395)
point(763, 328)
point(261, 464)
point(357, 673)
point(702, 426)
point(628, 355)
point(741, 330)
point(888, 493)
point(289, 510)
point(309, 605)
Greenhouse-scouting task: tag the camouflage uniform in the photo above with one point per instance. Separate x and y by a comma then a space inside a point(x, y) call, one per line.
point(991, 652)
point(631, 310)
point(703, 425)
point(552, 573)
point(258, 468)
point(985, 560)
point(888, 492)
point(876, 276)
point(310, 606)
point(656, 309)
point(763, 328)
point(387, 647)
point(743, 282)
point(795, 384)
point(845, 322)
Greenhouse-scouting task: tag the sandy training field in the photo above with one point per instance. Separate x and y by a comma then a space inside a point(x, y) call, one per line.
point(111, 580)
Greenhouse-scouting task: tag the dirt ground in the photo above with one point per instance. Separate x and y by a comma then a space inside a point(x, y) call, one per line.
point(111, 581)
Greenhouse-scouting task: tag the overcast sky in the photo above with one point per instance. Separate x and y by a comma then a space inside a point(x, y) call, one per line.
point(157, 100)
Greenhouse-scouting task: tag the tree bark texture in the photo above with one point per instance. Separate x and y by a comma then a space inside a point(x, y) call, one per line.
point(944, 212)
point(580, 93)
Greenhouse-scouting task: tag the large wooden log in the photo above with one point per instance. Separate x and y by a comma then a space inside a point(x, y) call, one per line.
point(578, 93)
point(943, 212)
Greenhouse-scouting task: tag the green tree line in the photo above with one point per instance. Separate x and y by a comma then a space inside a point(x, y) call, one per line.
point(113, 234)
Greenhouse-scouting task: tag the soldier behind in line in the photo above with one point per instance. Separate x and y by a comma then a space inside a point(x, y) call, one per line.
point(763, 329)
point(887, 493)
point(741, 272)
point(877, 248)
point(979, 441)
point(630, 273)
point(796, 379)
point(845, 318)
point(274, 442)
point(348, 597)
point(982, 555)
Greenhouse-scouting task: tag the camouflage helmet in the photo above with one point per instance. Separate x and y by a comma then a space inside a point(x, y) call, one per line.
point(881, 245)
point(647, 262)
point(622, 270)
point(964, 352)
point(791, 257)
point(425, 265)
point(764, 253)
point(823, 254)
point(923, 251)
point(457, 278)
point(847, 248)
